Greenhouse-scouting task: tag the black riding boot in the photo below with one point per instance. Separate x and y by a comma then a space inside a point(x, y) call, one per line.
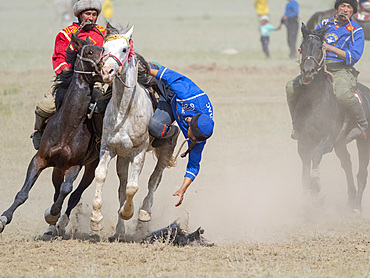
point(357, 114)
point(167, 139)
point(40, 123)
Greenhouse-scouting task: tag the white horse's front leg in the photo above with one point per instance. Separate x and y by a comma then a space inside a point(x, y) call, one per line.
point(101, 172)
point(127, 210)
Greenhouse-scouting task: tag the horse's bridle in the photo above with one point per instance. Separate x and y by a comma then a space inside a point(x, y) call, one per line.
point(121, 64)
point(128, 56)
point(91, 61)
point(323, 56)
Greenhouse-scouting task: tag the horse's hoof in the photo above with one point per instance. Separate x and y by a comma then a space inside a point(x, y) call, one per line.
point(96, 226)
point(49, 234)
point(144, 216)
point(126, 215)
point(356, 211)
point(62, 224)
point(117, 238)
point(3, 221)
point(51, 219)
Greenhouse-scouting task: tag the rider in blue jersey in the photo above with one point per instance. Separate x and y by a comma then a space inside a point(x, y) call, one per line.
point(344, 46)
point(181, 100)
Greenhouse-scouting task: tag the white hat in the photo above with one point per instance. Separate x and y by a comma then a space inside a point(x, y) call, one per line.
point(83, 5)
point(264, 17)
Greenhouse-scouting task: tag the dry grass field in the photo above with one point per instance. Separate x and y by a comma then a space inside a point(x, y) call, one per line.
point(248, 196)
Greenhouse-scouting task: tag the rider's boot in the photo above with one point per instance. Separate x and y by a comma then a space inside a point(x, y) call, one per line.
point(357, 114)
point(40, 123)
point(168, 138)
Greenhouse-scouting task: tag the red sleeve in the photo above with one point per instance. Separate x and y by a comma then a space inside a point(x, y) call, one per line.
point(59, 55)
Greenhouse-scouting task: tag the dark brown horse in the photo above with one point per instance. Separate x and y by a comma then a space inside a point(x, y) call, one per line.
point(319, 16)
point(68, 142)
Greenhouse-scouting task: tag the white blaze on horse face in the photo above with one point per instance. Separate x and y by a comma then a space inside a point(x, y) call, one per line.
point(116, 51)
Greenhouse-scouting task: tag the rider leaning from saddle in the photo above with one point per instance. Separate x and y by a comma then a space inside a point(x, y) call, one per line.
point(344, 46)
point(85, 11)
point(182, 100)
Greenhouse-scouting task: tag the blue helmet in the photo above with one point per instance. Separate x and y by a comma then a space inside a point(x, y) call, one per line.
point(202, 126)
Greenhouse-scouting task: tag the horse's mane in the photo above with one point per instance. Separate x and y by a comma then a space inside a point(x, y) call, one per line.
point(144, 78)
point(111, 30)
point(63, 80)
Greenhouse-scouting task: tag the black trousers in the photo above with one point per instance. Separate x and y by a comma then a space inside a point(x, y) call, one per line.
point(265, 45)
point(292, 32)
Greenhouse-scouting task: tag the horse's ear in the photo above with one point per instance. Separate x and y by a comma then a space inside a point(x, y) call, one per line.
point(88, 40)
point(128, 34)
point(76, 42)
point(304, 30)
point(111, 30)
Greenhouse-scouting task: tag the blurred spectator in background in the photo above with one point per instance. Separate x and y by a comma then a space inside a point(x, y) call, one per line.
point(107, 10)
point(261, 7)
point(265, 30)
point(290, 19)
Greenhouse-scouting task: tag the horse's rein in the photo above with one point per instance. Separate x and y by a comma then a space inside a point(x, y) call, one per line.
point(128, 56)
point(92, 62)
point(121, 64)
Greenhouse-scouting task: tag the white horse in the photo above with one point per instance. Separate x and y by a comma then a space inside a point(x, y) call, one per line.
point(125, 132)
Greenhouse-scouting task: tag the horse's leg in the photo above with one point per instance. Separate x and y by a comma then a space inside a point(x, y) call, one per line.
point(35, 167)
point(57, 179)
point(101, 172)
point(122, 172)
point(363, 155)
point(306, 167)
point(65, 188)
point(345, 161)
point(127, 210)
point(86, 180)
point(326, 145)
point(164, 157)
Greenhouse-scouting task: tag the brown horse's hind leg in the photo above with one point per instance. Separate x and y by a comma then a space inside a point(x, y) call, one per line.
point(65, 188)
point(75, 197)
point(35, 167)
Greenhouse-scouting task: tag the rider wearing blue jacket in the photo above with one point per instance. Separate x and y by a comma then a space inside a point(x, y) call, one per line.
point(344, 46)
point(181, 100)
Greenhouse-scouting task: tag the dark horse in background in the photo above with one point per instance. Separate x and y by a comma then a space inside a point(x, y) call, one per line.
point(319, 16)
point(322, 124)
point(68, 142)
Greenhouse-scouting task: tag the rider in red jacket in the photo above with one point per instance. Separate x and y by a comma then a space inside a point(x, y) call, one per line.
point(64, 37)
point(85, 11)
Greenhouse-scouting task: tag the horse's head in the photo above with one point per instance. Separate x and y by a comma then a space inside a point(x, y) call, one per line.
point(88, 59)
point(117, 52)
point(312, 53)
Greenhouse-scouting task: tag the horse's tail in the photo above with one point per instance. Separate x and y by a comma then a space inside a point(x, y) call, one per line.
point(172, 162)
point(315, 20)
